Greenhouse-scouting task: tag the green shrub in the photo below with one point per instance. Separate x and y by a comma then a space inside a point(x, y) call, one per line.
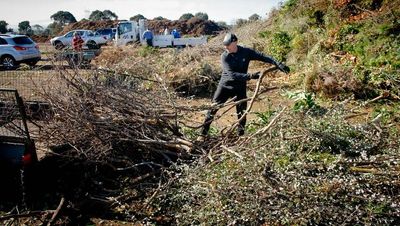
point(263, 118)
point(145, 51)
point(289, 5)
point(280, 45)
point(303, 101)
point(264, 34)
point(345, 37)
point(299, 44)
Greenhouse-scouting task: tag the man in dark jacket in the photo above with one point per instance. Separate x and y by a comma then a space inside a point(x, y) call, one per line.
point(235, 63)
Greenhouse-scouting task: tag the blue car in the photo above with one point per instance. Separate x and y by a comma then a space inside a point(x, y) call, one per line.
point(108, 33)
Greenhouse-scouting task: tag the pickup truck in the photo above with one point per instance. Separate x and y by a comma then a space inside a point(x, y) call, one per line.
point(129, 32)
point(91, 39)
point(17, 149)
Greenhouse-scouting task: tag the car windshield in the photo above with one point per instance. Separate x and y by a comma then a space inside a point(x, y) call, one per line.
point(69, 34)
point(124, 28)
point(105, 31)
point(22, 40)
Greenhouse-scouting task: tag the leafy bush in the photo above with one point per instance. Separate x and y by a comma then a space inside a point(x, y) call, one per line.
point(303, 101)
point(289, 5)
point(280, 45)
point(364, 31)
point(345, 37)
point(146, 51)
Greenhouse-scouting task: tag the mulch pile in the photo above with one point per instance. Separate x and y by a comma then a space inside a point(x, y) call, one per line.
point(40, 38)
point(89, 25)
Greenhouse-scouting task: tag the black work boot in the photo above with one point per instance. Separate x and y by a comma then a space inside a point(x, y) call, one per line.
point(240, 131)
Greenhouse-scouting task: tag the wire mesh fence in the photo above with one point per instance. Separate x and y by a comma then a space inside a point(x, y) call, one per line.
point(22, 90)
point(29, 84)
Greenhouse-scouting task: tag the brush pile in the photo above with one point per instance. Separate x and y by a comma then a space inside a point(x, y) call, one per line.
point(311, 168)
point(114, 112)
point(109, 134)
point(189, 71)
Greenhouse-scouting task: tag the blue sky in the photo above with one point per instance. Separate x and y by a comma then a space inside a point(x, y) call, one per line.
point(39, 11)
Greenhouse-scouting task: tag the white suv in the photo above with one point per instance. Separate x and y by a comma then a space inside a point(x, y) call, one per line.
point(16, 49)
point(91, 39)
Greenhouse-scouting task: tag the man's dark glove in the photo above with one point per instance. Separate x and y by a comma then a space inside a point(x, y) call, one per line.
point(254, 75)
point(283, 68)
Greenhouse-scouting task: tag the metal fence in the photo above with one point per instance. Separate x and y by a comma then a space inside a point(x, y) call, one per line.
point(29, 84)
point(21, 99)
point(12, 115)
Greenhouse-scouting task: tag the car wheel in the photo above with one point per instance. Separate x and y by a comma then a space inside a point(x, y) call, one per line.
point(8, 62)
point(92, 45)
point(59, 45)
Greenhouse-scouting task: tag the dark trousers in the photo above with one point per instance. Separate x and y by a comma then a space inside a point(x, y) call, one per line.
point(149, 42)
point(221, 95)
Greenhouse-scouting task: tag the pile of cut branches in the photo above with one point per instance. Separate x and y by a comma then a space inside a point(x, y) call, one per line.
point(102, 111)
point(309, 168)
point(189, 71)
point(109, 134)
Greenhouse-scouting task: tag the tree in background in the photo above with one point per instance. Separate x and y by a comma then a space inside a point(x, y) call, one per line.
point(223, 24)
point(186, 16)
point(54, 28)
point(63, 17)
point(254, 17)
point(110, 15)
point(37, 29)
point(200, 15)
point(160, 18)
point(3, 26)
point(24, 27)
point(103, 15)
point(240, 22)
point(137, 17)
point(96, 15)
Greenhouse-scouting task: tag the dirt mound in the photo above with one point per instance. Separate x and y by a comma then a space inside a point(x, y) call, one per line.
point(193, 26)
point(40, 38)
point(86, 25)
point(90, 25)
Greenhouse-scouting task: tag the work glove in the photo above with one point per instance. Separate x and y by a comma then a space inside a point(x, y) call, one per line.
point(254, 75)
point(285, 69)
